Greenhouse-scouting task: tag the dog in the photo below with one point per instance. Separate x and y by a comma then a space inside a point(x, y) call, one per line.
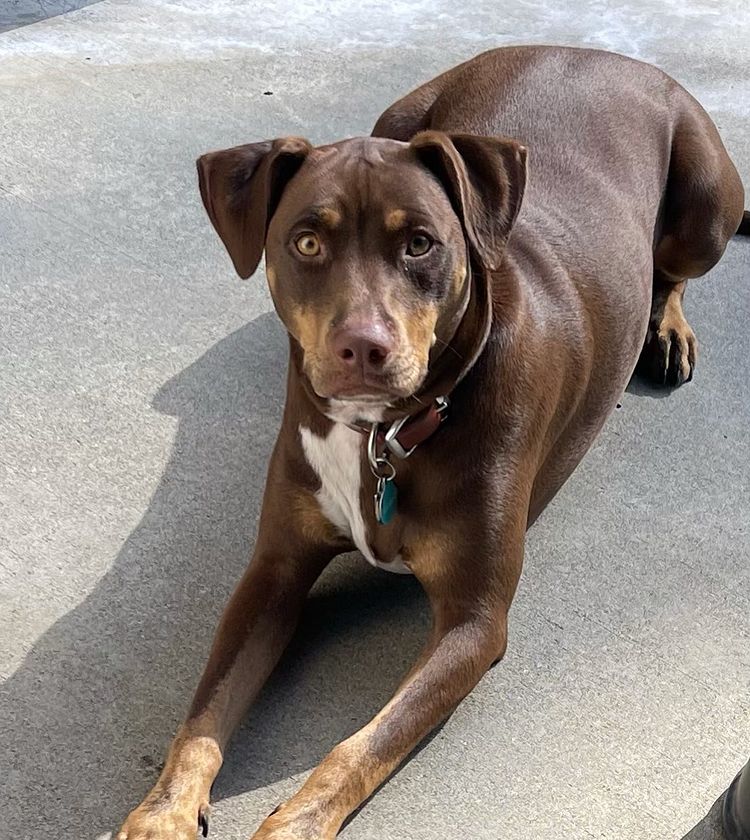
point(467, 293)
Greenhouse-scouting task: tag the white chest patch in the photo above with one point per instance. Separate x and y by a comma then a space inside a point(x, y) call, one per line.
point(336, 460)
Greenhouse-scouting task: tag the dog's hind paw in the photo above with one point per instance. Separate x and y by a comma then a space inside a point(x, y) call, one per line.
point(670, 352)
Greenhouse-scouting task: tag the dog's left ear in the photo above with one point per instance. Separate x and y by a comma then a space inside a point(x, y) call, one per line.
point(241, 188)
point(485, 179)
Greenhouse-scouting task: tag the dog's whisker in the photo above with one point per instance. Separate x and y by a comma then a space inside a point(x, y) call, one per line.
point(449, 347)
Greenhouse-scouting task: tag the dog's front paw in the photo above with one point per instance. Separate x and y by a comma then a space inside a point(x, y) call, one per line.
point(670, 351)
point(154, 820)
point(287, 824)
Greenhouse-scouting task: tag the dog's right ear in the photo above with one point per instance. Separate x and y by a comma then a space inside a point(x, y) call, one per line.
point(241, 189)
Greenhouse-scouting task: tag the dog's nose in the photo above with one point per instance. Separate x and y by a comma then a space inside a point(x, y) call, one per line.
point(362, 346)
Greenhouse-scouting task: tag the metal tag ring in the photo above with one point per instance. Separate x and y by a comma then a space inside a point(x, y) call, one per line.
point(372, 447)
point(388, 474)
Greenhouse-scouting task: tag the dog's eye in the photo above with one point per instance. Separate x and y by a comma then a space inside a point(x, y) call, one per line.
point(307, 244)
point(418, 245)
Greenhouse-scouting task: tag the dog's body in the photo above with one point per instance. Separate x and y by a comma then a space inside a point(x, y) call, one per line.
point(533, 336)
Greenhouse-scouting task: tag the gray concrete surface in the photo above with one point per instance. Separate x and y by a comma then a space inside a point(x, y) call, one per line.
point(140, 387)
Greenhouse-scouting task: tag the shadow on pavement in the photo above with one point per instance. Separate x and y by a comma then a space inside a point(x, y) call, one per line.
point(639, 386)
point(17, 13)
point(89, 713)
point(711, 827)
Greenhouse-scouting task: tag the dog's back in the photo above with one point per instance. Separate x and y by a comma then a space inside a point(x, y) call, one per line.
point(629, 193)
point(598, 127)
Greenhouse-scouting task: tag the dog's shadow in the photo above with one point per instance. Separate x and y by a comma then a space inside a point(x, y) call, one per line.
point(91, 709)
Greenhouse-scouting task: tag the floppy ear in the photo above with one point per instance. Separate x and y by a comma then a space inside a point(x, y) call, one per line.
point(485, 178)
point(241, 188)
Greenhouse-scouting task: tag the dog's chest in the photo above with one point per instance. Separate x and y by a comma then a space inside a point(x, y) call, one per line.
point(337, 461)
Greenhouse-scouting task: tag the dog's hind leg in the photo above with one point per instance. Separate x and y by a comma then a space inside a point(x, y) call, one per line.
point(702, 209)
point(411, 114)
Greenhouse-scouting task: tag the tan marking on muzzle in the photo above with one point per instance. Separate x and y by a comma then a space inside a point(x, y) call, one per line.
point(395, 219)
point(420, 326)
point(416, 322)
point(459, 275)
point(306, 328)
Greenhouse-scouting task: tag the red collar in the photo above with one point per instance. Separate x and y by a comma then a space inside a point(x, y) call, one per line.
point(402, 437)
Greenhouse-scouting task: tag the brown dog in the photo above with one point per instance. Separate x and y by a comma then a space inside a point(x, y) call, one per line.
point(422, 263)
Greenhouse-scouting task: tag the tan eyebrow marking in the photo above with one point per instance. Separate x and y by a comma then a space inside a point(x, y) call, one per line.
point(395, 219)
point(329, 217)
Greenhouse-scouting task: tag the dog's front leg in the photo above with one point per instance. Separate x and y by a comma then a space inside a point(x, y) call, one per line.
point(470, 582)
point(256, 625)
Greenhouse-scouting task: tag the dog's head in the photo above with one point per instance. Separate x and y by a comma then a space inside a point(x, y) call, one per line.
point(369, 243)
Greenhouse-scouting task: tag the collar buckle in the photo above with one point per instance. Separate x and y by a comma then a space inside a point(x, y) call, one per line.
point(391, 441)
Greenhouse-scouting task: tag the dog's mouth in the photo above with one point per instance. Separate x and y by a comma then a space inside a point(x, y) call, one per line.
point(364, 399)
point(368, 388)
point(371, 393)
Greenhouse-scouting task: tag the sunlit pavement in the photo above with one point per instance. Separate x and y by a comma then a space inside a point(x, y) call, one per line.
point(140, 388)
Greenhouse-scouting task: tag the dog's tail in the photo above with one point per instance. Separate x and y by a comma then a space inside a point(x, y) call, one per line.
point(744, 228)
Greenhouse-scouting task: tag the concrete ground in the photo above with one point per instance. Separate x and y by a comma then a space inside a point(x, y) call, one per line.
point(140, 387)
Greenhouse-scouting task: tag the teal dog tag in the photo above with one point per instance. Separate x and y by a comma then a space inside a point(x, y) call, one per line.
point(386, 500)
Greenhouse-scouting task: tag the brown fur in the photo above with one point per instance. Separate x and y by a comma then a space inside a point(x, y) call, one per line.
point(539, 295)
